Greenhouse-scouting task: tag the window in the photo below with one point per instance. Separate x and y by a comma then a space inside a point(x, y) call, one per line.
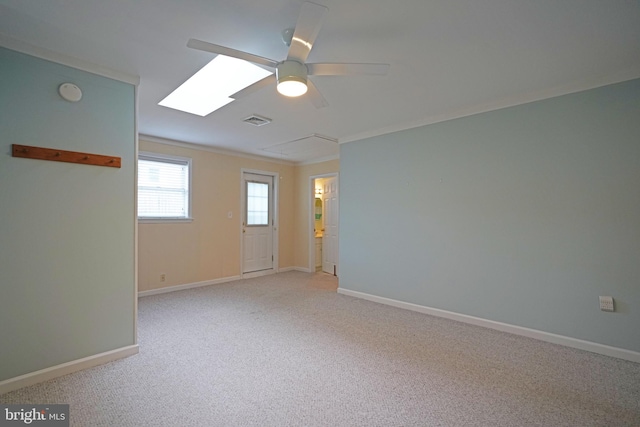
point(163, 187)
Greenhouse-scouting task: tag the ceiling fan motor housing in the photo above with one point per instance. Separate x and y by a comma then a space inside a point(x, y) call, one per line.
point(293, 73)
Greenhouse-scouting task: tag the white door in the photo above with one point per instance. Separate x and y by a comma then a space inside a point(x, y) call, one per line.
point(330, 235)
point(257, 223)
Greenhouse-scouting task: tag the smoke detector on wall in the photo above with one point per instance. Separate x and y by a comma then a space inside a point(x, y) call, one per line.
point(70, 92)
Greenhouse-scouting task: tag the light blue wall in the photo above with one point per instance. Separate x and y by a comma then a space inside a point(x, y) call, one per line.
point(66, 230)
point(523, 215)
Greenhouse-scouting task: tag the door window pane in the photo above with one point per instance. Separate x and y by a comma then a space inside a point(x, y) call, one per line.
point(257, 203)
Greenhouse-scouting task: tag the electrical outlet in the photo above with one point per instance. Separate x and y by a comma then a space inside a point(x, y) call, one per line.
point(163, 277)
point(606, 304)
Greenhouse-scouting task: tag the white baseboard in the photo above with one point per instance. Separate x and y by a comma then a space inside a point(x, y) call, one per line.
point(66, 368)
point(303, 269)
point(217, 281)
point(258, 273)
point(593, 347)
point(187, 286)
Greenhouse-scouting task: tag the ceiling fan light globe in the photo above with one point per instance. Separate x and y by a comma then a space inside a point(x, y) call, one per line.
point(292, 88)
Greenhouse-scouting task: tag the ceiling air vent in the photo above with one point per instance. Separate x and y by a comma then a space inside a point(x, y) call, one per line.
point(257, 120)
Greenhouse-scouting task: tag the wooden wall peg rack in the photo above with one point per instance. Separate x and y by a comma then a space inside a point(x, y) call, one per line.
point(65, 156)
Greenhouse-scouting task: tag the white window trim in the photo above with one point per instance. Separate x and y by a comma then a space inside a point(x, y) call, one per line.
point(146, 155)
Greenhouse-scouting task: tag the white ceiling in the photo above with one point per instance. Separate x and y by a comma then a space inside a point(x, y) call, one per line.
point(448, 58)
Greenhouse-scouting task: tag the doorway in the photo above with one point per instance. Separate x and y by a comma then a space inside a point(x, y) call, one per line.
point(259, 241)
point(323, 224)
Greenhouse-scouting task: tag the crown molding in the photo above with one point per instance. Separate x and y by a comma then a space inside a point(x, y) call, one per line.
point(318, 160)
point(202, 147)
point(574, 87)
point(69, 61)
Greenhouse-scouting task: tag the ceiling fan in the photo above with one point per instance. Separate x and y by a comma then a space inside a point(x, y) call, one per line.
point(291, 74)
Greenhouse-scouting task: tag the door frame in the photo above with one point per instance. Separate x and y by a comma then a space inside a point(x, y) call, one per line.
point(275, 216)
point(312, 198)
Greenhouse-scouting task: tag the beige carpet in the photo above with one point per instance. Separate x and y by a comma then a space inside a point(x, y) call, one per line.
point(286, 350)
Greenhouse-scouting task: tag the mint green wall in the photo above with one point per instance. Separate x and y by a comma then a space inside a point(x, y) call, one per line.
point(523, 215)
point(66, 230)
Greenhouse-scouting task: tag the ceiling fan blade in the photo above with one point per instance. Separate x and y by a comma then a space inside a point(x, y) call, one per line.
point(214, 48)
point(327, 69)
point(260, 84)
point(315, 96)
point(307, 29)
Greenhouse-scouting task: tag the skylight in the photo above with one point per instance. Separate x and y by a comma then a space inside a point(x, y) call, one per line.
point(210, 88)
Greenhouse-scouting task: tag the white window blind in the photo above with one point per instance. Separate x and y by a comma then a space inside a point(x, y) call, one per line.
point(163, 187)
